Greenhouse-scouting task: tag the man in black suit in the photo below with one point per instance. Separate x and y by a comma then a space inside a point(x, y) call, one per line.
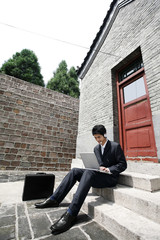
point(111, 161)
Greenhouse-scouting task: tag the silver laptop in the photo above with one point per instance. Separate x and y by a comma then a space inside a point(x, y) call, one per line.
point(90, 161)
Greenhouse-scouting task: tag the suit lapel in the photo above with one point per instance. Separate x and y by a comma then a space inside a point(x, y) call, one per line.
point(98, 154)
point(102, 158)
point(100, 151)
point(107, 147)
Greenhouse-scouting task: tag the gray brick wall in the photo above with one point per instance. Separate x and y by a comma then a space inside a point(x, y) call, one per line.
point(38, 127)
point(137, 25)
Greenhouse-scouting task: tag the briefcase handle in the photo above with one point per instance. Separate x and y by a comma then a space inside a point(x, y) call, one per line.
point(41, 173)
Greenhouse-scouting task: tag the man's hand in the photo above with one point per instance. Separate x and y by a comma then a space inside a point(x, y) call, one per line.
point(104, 169)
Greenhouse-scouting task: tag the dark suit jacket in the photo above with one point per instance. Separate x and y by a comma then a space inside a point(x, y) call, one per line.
point(112, 158)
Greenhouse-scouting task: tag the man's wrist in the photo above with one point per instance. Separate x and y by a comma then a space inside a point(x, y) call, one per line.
point(108, 170)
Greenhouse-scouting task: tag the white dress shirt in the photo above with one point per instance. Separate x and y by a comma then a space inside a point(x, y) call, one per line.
point(103, 147)
point(102, 150)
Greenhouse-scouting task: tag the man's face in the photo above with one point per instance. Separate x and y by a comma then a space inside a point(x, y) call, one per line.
point(100, 139)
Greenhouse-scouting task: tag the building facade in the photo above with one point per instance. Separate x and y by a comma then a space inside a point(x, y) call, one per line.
point(120, 81)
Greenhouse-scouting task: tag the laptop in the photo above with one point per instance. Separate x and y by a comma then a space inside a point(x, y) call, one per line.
point(90, 162)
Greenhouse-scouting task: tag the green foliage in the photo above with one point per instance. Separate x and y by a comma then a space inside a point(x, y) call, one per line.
point(65, 81)
point(24, 65)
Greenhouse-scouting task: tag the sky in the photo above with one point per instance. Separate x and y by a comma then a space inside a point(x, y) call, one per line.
point(54, 30)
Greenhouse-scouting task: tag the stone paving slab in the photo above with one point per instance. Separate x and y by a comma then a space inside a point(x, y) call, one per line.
point(22, 221)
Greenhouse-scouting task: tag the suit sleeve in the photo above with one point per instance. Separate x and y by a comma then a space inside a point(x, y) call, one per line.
point(121, 163)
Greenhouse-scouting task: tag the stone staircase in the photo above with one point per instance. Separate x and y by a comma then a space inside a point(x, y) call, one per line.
point(131, 210)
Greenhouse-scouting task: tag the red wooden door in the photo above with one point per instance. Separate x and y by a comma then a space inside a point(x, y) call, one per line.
point(136, 120)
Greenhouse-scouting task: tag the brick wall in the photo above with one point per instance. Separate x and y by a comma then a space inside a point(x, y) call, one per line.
point(136, 26)
point(38, 127)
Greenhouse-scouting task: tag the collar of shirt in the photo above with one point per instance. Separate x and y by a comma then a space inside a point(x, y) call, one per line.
point(103, 147)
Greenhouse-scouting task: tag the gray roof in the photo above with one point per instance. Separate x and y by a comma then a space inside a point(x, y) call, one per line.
point(101, 35)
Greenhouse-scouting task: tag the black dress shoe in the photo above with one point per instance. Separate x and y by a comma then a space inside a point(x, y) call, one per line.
point(47, 203)
point(63, 224)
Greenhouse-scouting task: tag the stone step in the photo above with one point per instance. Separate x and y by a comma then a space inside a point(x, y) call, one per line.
point(132, 166)
point(143, 167)
point(118, 220)
point(144, 203)
point(140, 180)
point(132, 178)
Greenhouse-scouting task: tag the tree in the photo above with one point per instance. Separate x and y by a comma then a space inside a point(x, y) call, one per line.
point(65, 81)
point(24, 65)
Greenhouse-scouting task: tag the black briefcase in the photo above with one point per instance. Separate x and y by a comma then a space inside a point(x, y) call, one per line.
point(37, 186)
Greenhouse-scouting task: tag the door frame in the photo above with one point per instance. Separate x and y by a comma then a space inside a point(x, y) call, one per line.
point(120, 85)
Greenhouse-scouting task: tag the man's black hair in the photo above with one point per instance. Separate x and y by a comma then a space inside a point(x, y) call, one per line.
point(99, 129)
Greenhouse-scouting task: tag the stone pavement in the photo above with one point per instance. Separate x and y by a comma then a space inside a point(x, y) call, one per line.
point(21, 220)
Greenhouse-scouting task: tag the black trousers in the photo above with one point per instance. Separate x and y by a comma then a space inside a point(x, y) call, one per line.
point(86, 179)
